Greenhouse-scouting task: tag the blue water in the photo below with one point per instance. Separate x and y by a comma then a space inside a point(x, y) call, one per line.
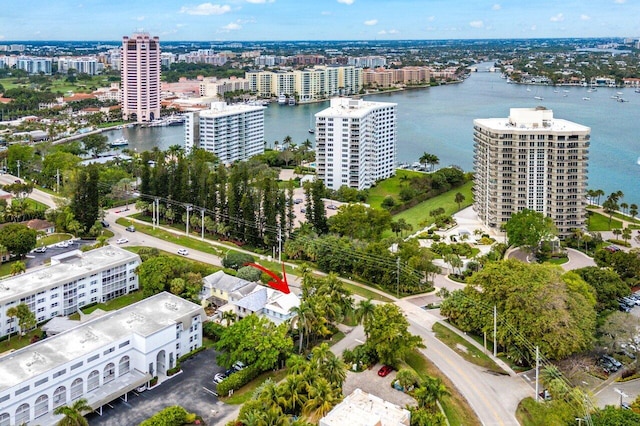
point(439, 120)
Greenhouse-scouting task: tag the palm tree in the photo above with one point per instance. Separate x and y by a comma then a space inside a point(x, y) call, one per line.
point(18, 267)
point(598, 193)
point(290, 393)
point(321, 400)
point(364, 313)
point(228, 316)
point(459, 199)
point(334, 370)
point(73, 414)
point(12, 312)
point(626, 234)
point(430, 392)
point(633, 211)
point(303, 320)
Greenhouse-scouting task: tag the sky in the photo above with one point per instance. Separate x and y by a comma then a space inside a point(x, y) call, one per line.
point(256, 20)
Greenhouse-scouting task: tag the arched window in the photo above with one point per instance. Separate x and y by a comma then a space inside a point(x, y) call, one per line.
point(123, 365)
point(4, 419)
point(22, 414)
point(109, 373)
point(93, 381)
point(42, 406)
point(76, 389)
point(59, 397)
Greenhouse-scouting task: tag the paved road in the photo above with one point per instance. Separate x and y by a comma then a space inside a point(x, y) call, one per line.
point(37, 195)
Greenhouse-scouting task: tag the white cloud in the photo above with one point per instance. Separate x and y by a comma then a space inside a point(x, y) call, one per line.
point(533, 28)
point(232, 26)
point(371, 22)
point(557, 18)
point(206, 9)
point(140, 18)
point(325, 13)
point(346, 1)
point(260, 1)
point(620, 1)
point(385, 32)
point(496, 7)
point(476, 24)
point(1, 37)
point(394, 32)
point(431, 18)
point(585, 17)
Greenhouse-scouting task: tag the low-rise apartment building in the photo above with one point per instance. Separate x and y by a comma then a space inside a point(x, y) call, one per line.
point(73, 280)
point(100, 360)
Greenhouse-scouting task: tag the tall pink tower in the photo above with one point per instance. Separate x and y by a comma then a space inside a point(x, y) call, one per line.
point(140, 71)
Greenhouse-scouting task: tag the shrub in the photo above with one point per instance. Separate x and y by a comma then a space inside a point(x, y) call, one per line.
point(174, 370)
point(190, 354)
point(235, 260)
point(388, 202)
point(249, 273)
point(170, 416)
point(148, 252)
point(153, 381)
point(237, 380)
point(212, 330)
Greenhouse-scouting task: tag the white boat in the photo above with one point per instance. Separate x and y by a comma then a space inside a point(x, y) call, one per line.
point(119, 142)
point(586, 99)
point(528, 90)
point(292, 100)
point(538, 98)
point(282, 99)
point(311, 126)
point(638, 161)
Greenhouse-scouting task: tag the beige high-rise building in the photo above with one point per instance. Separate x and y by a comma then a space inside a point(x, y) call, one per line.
point(531, 160)
point(140, 71)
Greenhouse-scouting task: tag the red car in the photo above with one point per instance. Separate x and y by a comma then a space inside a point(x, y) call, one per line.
point(385, 370)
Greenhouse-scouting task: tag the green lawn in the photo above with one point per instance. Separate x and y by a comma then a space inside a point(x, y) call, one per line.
point(52, 239)
point(598, 222)
point(455, 406)
point(18, 342)
point(420, 213)
point(117, 303)
point(390, 186)
point(60, 85)
point(470, 352)
point(5, 267)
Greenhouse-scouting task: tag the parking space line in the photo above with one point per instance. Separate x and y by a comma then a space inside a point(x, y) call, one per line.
point(210, 391)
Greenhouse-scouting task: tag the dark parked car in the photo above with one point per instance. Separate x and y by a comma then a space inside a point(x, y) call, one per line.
point(104, 223)
point(385, 370)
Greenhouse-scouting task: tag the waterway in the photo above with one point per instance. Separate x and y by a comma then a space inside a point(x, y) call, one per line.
point(439, 120)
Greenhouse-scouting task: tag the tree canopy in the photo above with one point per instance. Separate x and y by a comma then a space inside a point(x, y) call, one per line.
point(17, 238)
point(549, 309)
point(254, 340)
point(528, 227)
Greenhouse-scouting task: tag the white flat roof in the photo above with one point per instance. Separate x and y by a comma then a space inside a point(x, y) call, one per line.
point(143, 318)
point(531, 119)
point(221, 109)
point(365, 409)
point(354, 108)
point(64, 268)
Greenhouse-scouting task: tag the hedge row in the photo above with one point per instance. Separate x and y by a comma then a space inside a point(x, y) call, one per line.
point(237, 380)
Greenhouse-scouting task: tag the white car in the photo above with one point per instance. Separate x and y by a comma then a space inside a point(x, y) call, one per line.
point(219, 378)
point(183, 252)
point(62, 244)
point(122, 241)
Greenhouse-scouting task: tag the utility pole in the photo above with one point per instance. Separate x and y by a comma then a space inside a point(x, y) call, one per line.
point(398, 278)
point(202, 223)
point(537, 372)
point(280, 244)
point(18, 161)
point(495, 330)
point(188, 210)
point(57, 180)
point(153, 214)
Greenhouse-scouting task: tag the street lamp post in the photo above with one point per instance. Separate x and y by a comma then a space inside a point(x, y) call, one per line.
point(188, 210)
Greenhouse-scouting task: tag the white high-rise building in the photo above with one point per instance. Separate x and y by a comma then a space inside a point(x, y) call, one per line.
point(531, 160)
point(140, 71)
point(231, 132)
point(355, 143)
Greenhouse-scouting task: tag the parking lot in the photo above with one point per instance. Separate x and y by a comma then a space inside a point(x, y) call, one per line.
point(193, 389)
point(34, 258)
point(370, 382)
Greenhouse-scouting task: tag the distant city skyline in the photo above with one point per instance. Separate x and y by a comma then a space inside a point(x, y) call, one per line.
point(255, 20)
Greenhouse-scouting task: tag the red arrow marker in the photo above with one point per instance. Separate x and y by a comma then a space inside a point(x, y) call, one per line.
point(277, 283)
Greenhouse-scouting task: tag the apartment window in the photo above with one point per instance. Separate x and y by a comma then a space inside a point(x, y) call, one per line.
point(59, 373)
point(93, 358)
point(76, 365)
